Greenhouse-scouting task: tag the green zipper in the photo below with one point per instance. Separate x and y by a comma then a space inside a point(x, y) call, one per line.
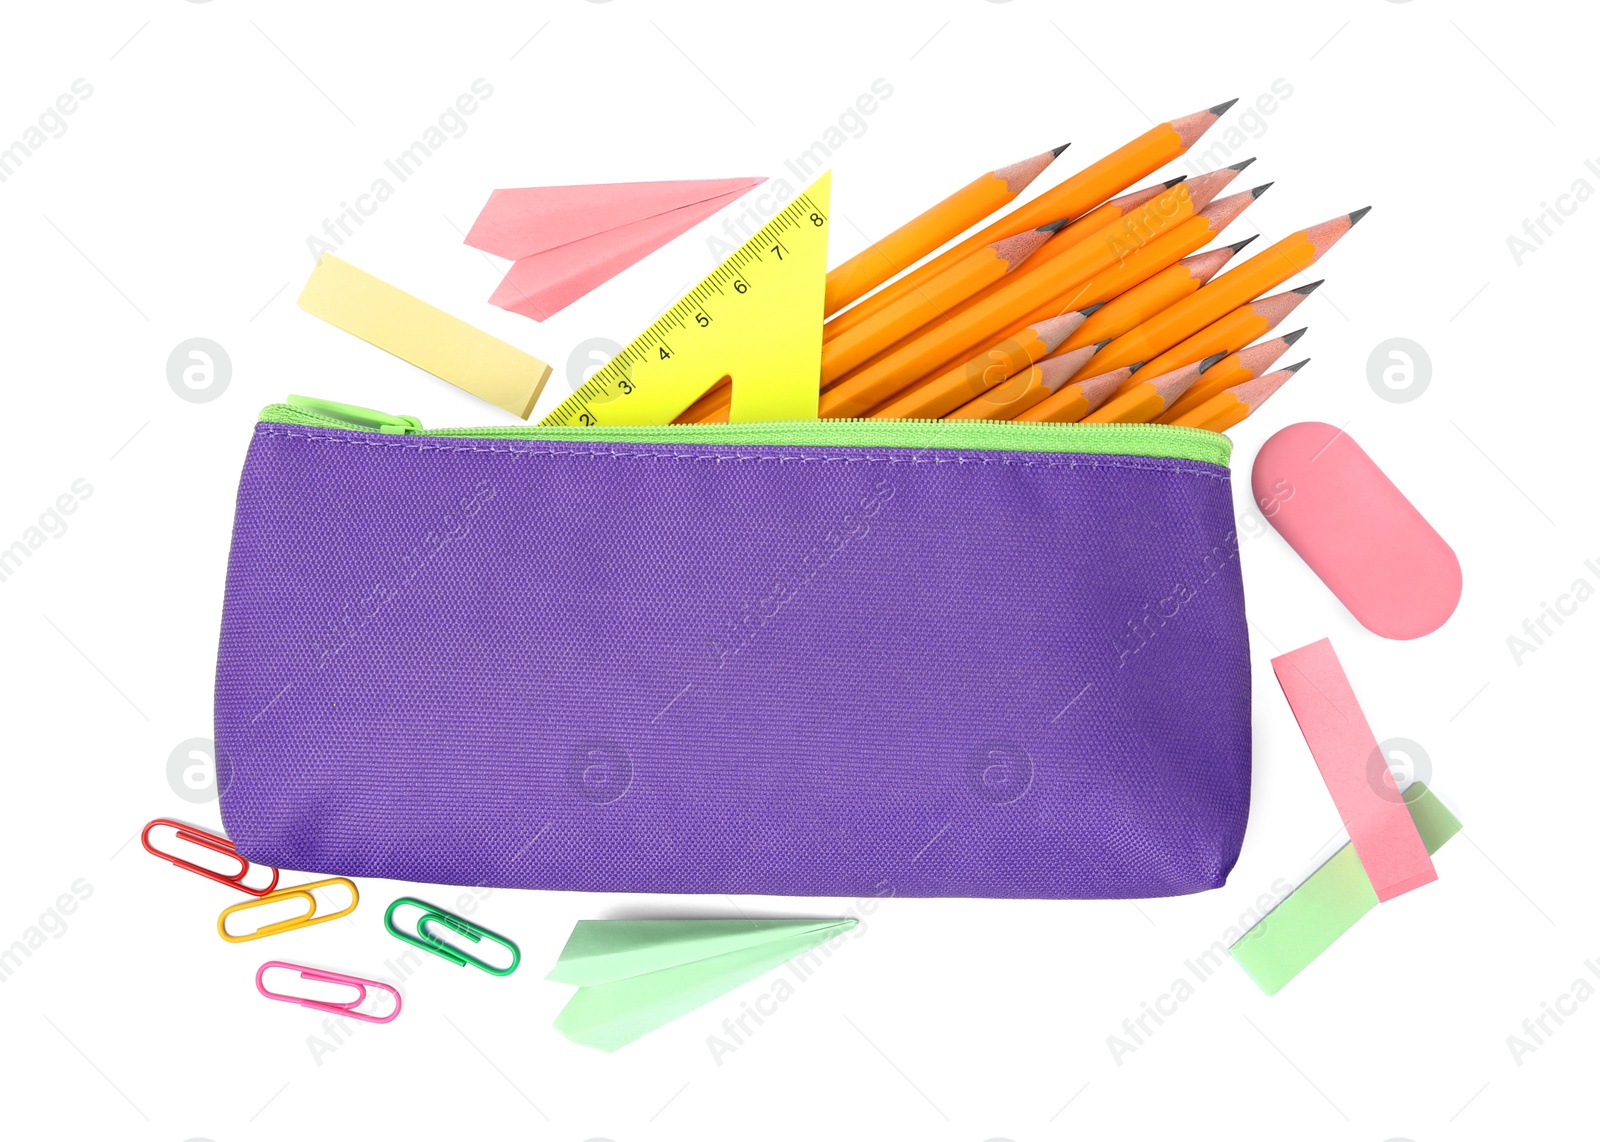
point(1167, 441)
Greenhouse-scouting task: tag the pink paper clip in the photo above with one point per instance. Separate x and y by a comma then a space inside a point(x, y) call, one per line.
point(346, 1008)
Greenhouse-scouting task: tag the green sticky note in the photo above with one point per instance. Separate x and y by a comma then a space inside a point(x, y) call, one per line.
point(637, 975)
point(1329, 903)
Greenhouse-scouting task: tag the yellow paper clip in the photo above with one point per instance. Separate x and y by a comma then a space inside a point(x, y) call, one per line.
point(298, 891)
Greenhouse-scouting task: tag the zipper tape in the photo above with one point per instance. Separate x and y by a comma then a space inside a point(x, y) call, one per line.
point(1164, 441)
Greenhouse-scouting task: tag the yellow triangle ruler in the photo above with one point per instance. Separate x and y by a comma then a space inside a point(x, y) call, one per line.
point(757, 318)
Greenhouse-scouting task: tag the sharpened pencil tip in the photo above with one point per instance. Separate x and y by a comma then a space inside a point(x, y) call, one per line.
point(1358, 215)
point(1291, 338)
point(1099, 345)
point(1258, 191)
point(1090, 310)
point(1221, 107)
point(1056, 226)
point(1308, 290)
point(1211, 360)
point(1295, 368)
point(1135, 367)
point(1055, 152)
point(1240, 165)
point(1237, 246)
point(1171, 182)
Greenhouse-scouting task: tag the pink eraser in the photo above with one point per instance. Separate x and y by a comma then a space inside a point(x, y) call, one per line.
point(1357, 776)
point(1356, 530)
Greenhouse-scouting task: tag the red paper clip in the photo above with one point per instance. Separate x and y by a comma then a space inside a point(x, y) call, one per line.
point(346, 1008)
point(207, 841)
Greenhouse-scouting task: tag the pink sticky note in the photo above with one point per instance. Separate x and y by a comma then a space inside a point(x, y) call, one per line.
point(1356, 774)
point(522, 221)
point(545, 283)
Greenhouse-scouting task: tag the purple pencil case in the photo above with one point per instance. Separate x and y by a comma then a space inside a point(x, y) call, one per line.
point(825, 658)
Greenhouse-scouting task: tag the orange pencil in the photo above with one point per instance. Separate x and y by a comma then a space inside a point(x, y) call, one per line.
point(1198, 231)
point(1156, 256)
point(985, 371)
point(1068, 237)
point(942, 293)
point(1141, 400)
point(1272, 266)
point(1024, 390)
point(1154, 294)
point(1108, 212)
point(1223, 371)
point(1230, 406)
point(1072, 402)
point(1235, 330)
point(718, 398)
point(1076, 195)
point(944, 341)
point(858, 276)
point(1086, 224)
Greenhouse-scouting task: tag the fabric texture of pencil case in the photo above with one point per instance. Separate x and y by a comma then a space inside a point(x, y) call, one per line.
point(828, 658)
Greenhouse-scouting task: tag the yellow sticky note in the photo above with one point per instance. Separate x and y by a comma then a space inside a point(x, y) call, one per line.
point(428, 338)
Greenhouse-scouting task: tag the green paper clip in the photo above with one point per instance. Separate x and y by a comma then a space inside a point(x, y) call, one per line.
point(429, 942)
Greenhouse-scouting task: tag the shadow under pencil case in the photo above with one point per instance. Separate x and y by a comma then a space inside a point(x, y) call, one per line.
point(818, 658)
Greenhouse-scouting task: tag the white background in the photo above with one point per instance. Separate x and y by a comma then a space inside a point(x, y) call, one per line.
point(177, 204)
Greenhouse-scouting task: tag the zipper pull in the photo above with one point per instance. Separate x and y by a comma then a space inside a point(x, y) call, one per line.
point(356, 416)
